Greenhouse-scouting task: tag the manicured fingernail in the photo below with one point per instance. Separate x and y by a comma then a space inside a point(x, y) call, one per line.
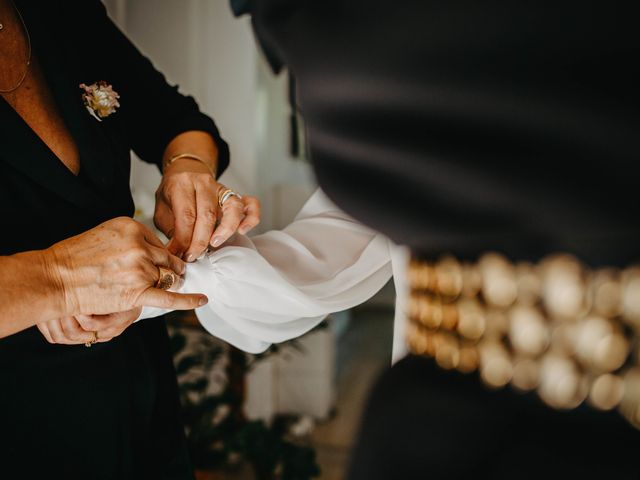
point(217, 241)
point(191, 257)
point(203, 301)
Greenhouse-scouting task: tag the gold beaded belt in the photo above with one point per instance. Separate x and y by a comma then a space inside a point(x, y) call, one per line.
point(556, 327)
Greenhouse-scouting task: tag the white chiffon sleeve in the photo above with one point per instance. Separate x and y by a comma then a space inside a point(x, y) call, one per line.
point(279, 285)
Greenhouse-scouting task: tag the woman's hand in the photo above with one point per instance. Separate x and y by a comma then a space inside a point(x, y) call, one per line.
point(79, 330)
point(188, 213)
point(114, 268)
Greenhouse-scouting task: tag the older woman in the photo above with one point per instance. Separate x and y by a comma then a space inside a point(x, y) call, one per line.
point(76, 98)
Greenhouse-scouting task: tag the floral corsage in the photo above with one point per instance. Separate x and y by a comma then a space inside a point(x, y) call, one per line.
point(100, 99)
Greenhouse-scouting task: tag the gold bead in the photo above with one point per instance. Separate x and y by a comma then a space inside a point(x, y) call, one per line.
point(496, 368)
point(526, 374)
point(449, 316)
point(606, 293)
point(630, 404)
point(611, 352)
point(499, 287)
point(421, 275)
point(631, 296)
point(448, 272)
point(563, 337)
point(599, 345)
point(471, 280)
point(529, 283)
point(413, 306)
point(425, 309)
point(606, 391)
point(528, 331)
point(563, 288)
point(497, 323)
point(430, 311)
point(471, 320)
point(447, 352)
point(416, 340)
point(561, 385)
point(469, 359)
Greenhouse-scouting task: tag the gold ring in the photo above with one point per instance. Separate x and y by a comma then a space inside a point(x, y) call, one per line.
point(166, 278)
point(93, 340)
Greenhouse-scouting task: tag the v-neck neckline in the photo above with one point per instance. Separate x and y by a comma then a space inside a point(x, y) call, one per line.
point(95, 156)
point(24, 124)
point(39, 56)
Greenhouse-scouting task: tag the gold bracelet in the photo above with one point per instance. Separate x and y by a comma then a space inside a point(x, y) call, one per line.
point(190, 156)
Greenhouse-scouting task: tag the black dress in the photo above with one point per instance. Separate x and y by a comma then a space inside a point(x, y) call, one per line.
point(110, 411)
point(462, 127)
point(507, 126)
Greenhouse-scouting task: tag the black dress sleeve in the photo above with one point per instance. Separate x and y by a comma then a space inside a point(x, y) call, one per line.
point(153, 111)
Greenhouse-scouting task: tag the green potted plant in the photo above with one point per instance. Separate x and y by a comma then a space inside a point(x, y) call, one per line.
point(219, 435)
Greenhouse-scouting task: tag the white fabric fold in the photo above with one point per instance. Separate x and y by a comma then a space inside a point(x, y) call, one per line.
point(279, 285)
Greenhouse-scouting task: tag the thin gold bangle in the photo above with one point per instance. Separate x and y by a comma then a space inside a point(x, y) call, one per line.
point(190, 156)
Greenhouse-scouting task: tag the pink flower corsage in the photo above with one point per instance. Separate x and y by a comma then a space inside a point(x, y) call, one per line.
point(100, 99)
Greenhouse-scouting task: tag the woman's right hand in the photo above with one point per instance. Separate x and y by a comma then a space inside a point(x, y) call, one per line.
point(114, 268)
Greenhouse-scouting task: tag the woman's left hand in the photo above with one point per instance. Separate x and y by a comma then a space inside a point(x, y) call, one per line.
point(188, 213)
point(80, 330)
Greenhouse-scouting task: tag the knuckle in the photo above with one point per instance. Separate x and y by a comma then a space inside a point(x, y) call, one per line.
point(138, 251)
point(126, 223)
point(234, 200)
point(122, 220)
point(127, 278)
point(158, 218)
point(69, 333)
point(180, 239)
point(166, 301)
point(180, 178)
point(187, 216)
point(89, 325)
point(201, 239)
point(207, 180)
point(209, 215)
